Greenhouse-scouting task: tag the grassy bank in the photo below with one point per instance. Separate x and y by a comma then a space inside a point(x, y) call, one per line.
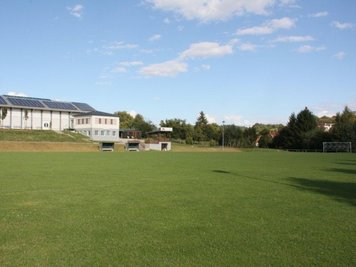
point(41, 136)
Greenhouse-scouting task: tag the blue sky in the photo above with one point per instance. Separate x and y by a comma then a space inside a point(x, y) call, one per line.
point(240, 61)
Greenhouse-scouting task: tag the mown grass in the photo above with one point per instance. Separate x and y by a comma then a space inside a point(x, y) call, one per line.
point(177, 209)
point(41, 136)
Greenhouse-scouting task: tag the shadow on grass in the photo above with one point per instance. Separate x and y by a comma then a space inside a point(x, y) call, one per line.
point(238, 175)
point(347, 163)
point(340, 191)
point(221, 171)
point(346, 171)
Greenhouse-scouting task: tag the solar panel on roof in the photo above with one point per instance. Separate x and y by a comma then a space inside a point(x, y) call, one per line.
point(60, 105)
point(25, 102)
point(2, 101)
point(83, 106)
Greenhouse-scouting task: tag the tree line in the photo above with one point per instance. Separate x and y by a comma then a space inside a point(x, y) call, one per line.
point(306, 131)
point(202, 132)
point(303, 131)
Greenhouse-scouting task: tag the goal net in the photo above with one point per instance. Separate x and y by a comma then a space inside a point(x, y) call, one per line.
point(337, 147)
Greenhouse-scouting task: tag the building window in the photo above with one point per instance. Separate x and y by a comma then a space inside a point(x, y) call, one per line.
point(82, 121)
point(106, 121)
point(113, 133)
point(78, 121)
point(111, 121)
point(87, 120)
point(107, 132)
point(102, 132)
point(96, 132)
point(99, 120)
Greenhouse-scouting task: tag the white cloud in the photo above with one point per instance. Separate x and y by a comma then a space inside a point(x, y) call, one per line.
point(210, 118)
point(308, 49)
point(13, 93)
point(131, 63)
point(293, 39)
point(119, 69)
point(120, 45)
point(247, 47)
point(339, 55)
point(76, 11)
point(133, 113)
point(209, 10)
point(165, 69)
point(206, 67)
point(330, 109)
point(167, 21)
point(287, 2)
point(268, 27)
point(319, 14)
point(206, 49)
point(124, 65)
point(155, 37)
point(114, 46)
point(342, 26)
point(233, 119)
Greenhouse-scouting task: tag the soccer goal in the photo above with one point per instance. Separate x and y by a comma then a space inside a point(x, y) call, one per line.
point(337, 147)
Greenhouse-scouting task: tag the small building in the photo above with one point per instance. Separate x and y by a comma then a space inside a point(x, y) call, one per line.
point(98, 126)
point(159, 139)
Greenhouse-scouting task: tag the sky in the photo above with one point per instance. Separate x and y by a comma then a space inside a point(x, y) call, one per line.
point(238, 61)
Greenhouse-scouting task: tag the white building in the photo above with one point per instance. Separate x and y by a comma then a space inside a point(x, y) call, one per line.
point(45, 114)
point(99, 126)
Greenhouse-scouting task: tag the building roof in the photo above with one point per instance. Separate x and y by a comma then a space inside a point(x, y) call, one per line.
point(96, 113)
point(10, 101)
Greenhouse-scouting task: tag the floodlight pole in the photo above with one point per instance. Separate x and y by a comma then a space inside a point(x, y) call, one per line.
point(223, 135)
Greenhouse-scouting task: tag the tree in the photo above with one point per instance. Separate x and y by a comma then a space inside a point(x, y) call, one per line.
point(139, 123)
point(306, 121)
point(249, 137)
point(200, 128)
point(265, 139)
point(232, 135)
point(181, 129)
point(126, 120)
point(344, 129)
point(3, 112)
point(298, 132)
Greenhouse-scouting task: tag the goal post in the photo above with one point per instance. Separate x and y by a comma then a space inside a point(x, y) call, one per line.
point(337, 147)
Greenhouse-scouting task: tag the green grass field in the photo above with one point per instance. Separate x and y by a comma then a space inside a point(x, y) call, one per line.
point(177, 209)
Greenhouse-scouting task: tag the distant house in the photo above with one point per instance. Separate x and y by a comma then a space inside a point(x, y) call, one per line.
point(97, 125)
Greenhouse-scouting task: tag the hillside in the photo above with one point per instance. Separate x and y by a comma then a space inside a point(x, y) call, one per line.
point(42, 136)
point(38, 141)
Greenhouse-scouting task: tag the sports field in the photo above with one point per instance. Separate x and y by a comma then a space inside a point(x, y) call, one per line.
point(177, 209)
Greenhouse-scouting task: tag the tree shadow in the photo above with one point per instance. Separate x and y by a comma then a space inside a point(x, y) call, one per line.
point(243, 176)
point(347, 163)
point(340, 191)
point(346, 171)
point(221, 171)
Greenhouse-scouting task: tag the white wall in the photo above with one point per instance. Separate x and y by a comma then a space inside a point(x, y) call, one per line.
point(98, 128)
point(36, 120)
point(158, 147)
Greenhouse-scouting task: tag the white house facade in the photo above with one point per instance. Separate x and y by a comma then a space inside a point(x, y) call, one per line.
point(98, 126)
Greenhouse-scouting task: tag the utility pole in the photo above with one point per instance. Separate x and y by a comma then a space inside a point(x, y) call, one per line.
point(223, 135)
